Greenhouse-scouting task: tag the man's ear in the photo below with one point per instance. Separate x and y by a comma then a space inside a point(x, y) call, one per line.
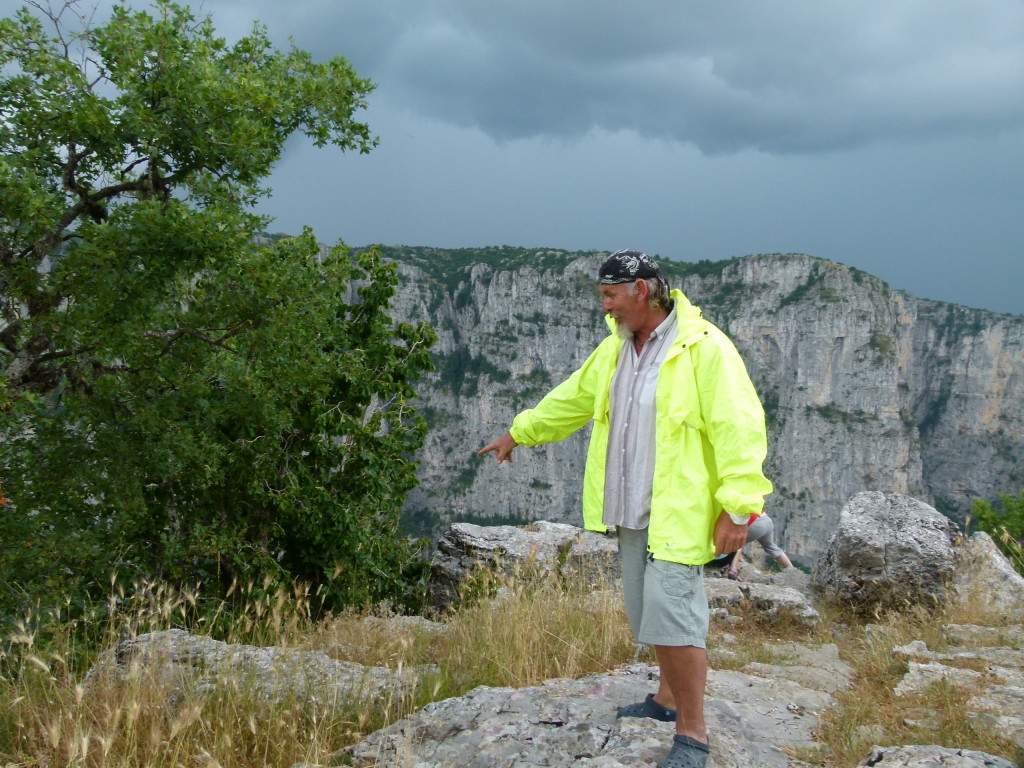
point(643, 291)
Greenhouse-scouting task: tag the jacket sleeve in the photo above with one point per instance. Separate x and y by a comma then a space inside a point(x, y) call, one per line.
point(735, 425)
point(567, 407)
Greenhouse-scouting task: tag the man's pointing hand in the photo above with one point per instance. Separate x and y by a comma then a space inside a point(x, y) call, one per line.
point(502, 448)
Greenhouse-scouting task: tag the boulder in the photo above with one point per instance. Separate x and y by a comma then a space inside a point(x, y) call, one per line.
point(765, 602)
point(887, 551)
point(984, 573)
point(541, 548)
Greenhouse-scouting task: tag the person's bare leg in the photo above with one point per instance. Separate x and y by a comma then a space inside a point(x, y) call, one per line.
point(684, 675)
point(737, 561)
point(784, 561)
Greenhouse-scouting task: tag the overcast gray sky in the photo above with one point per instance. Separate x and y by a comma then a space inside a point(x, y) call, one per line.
point(884, 134)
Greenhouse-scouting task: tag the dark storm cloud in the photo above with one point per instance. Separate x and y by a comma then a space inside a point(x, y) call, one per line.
point(883, 134)
point(747, 74)
point(791, 77)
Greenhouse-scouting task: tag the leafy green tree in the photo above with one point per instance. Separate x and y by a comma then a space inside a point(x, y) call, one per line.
point(177, 399)
point(1005, 525)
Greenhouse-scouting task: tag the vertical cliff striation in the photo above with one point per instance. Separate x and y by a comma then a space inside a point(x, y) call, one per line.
point(865, 388)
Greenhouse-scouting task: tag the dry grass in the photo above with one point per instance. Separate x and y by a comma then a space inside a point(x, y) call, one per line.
point(52, 715)
point(870, 712)
point(518, 633)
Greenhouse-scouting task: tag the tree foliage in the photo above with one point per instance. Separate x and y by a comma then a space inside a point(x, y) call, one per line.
point(177, 399)
point(1004, 521)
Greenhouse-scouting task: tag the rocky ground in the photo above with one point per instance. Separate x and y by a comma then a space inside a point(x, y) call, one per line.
point(762, 713)
point(757, 716)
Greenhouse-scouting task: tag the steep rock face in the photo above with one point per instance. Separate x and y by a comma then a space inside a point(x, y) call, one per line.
point(865, 388)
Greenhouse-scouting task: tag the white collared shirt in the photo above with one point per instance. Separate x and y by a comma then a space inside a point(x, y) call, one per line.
point(629, 469)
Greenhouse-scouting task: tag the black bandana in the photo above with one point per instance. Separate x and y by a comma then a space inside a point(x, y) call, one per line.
point(628, 266)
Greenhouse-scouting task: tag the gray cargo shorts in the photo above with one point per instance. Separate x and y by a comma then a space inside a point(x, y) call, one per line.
point(665, 602)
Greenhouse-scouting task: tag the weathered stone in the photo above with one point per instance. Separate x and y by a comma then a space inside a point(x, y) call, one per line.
point(825, 656)
point(808, 677)
point(887, 552)
point(921, 676)
point(572, 723)
point(1000, 707)
point(770, 601)
point(818, 668)
point(1010, 725)
point(182, 661)
point(748, 705)
point(539, 548)
point(984, 574)
point(410, 625)
point(917, 649)
point(922, 717)
point(869, 733)
point(1012, 659)
point(751, 573)
point(971, 634)
point(765, 602)
point(792, 577)
point(931, 757)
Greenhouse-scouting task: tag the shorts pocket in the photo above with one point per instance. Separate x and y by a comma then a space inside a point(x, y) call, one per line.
point(677, 580)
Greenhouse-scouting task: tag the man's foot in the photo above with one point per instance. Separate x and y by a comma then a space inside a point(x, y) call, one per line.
point(686, 753)
point(648, 708)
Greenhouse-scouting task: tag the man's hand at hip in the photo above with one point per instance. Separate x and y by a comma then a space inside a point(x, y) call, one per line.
point(729, 537)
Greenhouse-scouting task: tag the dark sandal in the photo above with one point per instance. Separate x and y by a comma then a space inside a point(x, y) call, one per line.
point(686, 753)
point(648, 708)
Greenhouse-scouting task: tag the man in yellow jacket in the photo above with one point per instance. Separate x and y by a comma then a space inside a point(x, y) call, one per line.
point(674, 467)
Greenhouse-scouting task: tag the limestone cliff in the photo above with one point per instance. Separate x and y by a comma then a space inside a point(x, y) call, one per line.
point(865, 388)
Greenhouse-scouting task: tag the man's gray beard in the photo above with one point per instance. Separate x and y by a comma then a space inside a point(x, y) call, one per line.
point(624, 333)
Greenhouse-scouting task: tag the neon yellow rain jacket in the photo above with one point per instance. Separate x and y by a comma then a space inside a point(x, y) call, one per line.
point(710, 443)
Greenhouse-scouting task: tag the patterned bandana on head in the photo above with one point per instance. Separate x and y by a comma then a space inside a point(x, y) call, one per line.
point(627, 266)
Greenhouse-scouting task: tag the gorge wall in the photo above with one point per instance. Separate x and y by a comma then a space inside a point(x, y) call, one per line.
point(864, 387)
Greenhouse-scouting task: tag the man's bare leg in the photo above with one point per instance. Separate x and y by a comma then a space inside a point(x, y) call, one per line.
point(684, 675)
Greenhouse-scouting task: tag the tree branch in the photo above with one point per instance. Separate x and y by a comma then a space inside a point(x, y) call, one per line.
point(176, 334)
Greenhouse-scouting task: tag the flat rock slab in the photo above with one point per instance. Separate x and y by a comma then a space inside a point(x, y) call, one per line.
point(572, 723)
point(932, 757)
point(183, 661)
point(816, 667)
point(1000, 707)
point(972, 634)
